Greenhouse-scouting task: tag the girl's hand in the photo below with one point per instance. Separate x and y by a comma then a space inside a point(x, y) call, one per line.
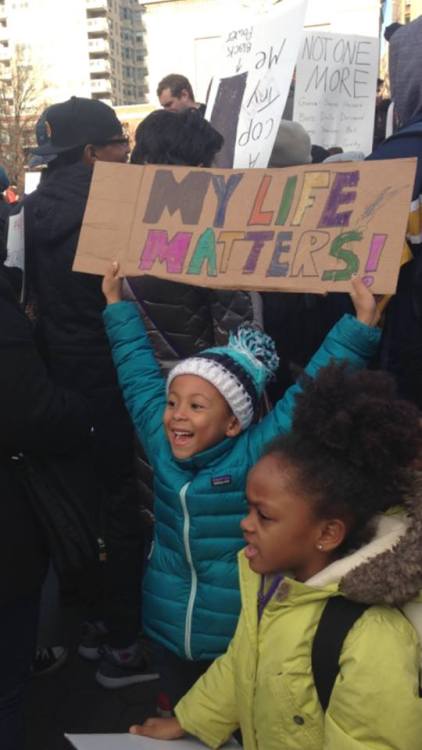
point(159, 729)
point(112, 284)
point(364, 303)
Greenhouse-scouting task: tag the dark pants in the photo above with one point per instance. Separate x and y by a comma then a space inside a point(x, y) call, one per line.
point(124, 538)
point(177, 675)
point(111, 590)
point(18, 631)
point(50, 626)
point(121, 520)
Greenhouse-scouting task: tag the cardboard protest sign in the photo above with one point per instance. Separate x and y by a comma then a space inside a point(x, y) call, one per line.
point(306, 228)
point(336, 78)
point(249, 91)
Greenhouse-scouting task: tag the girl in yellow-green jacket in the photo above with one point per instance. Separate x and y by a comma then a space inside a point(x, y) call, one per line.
point(317, 503)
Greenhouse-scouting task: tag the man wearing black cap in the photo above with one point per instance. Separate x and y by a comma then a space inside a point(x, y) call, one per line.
point(72, 136)
point(87, 127)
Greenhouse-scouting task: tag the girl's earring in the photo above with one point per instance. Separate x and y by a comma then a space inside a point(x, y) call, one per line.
point(320, 547)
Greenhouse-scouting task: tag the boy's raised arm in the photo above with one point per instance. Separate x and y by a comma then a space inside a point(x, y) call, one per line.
point(112, 284)
point(138, 372)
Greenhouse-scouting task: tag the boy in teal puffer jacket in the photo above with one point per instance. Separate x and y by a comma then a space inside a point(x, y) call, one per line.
point(199, 436)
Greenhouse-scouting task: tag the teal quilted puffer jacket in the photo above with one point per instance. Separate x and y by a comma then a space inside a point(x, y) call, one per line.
point(191, 598)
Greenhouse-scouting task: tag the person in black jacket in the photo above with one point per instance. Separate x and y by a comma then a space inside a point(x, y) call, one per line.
point(182, 319)
point(36, 417)
point(69, 313)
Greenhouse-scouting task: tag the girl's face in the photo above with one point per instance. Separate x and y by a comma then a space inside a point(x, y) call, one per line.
point(280, 530)
point(196, 416)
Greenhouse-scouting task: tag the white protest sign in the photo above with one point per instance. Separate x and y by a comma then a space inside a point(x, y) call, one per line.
point(335, 91)
point(131, 742)
point(16, 241)
point(250, 88)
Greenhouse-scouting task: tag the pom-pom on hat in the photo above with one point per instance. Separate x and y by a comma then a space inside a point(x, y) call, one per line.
point(239, 371)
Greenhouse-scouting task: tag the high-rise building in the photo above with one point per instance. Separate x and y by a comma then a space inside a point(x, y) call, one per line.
point(405, 11)
point(91, 48)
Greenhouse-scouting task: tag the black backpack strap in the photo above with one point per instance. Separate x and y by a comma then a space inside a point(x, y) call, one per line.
point(337, 619)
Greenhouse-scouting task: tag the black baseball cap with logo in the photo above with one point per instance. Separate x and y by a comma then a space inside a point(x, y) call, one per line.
point(76, 122)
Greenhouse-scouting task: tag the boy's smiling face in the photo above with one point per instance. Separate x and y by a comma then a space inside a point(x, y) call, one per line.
point(196, 416)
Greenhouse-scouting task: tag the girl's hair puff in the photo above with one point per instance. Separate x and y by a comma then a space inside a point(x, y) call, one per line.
point(178, 138)
point(352, 443)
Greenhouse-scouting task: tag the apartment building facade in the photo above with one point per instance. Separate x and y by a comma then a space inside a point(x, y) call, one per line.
point(405, 11)
point(92, 48)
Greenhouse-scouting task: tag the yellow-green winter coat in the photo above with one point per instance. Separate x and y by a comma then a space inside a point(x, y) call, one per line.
point(264, 682)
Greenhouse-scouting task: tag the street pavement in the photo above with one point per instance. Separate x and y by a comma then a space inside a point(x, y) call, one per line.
point(70, 700)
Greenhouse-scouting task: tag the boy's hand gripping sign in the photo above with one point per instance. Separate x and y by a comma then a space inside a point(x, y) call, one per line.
point(309, 228)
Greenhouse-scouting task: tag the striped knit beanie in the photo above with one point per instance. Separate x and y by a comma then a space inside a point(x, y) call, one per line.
point(239, 371)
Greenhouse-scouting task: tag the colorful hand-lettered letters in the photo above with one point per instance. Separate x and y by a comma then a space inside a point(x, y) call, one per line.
point(307, 228)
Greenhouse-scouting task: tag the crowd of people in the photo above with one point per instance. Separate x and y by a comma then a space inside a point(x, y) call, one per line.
point(275, 438)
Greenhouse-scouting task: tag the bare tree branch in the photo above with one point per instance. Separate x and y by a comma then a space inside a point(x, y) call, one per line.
point(20, 107)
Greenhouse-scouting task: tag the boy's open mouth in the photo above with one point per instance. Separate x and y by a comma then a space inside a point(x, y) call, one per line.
point(181, 437)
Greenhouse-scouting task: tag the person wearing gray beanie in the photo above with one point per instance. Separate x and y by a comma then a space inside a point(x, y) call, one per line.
point(345, 156)
point(292, 145)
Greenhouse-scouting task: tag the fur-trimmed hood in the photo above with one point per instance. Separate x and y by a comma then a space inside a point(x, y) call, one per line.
point(387, 570)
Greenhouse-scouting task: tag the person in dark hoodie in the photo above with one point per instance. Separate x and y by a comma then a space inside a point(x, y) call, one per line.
point(401, 349)
point(78, 132)
point(42, 419)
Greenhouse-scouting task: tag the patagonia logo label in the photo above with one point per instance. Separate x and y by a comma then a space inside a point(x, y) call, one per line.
point(219, 481)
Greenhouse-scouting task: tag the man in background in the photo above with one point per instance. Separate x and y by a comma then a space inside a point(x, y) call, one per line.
point(175, 93)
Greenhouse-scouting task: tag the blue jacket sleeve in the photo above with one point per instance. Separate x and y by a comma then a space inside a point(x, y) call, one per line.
point(139, 375)
point(348, 341)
